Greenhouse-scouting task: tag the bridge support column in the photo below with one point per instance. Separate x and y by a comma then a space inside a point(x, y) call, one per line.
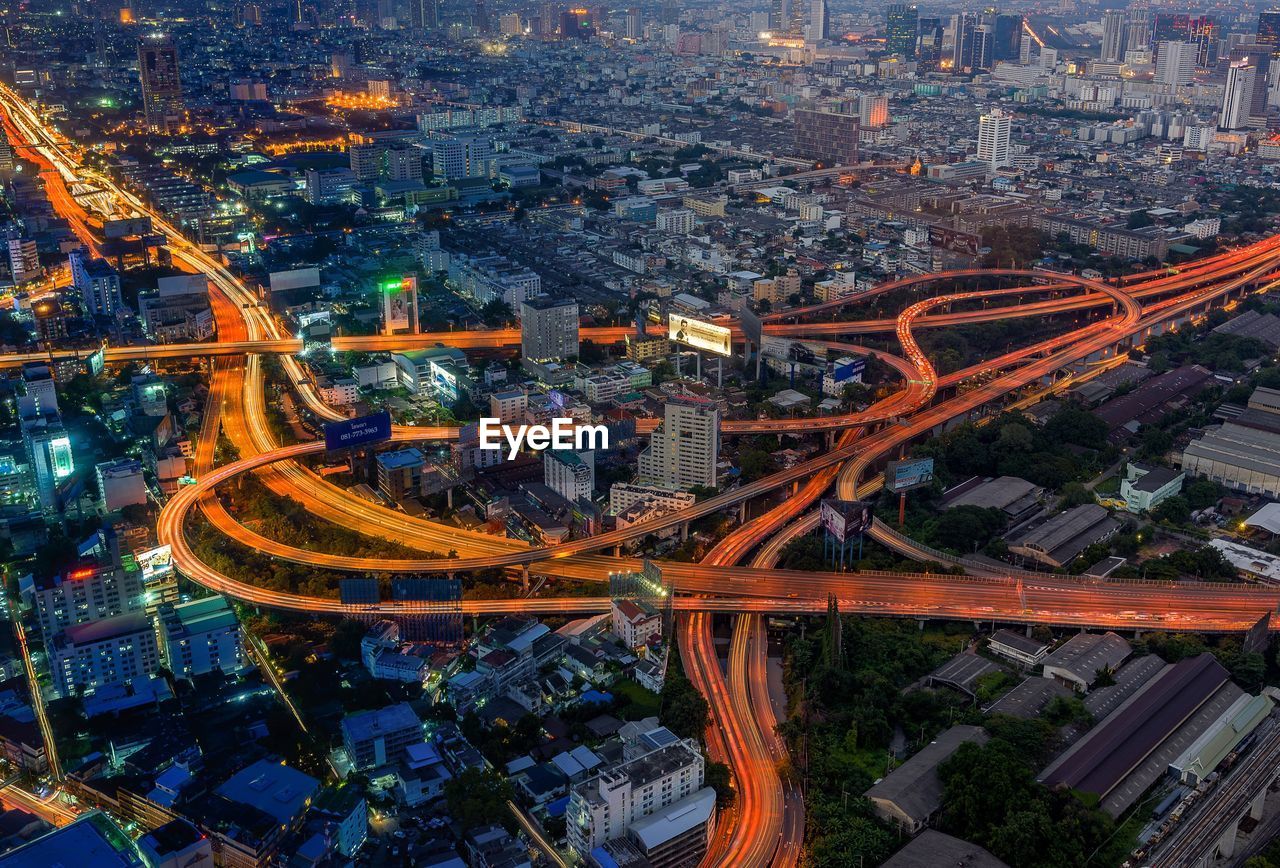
point(1227, 843)
point(524, 577)
point(617, 550)
point(1258, 806)
point(684, 532)
point(448, 493)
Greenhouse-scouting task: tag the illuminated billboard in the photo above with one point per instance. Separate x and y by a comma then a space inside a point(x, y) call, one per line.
point(155, 563)
point(399, 304)
point(906, 475)
point(60, 458)
point(700, 335)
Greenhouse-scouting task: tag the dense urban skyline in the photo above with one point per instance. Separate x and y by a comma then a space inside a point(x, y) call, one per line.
point(475, 433)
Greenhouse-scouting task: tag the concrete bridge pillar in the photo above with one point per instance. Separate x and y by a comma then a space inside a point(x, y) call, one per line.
point(1258, 806)
point(1227, 843)
point(684, 532)
point(524, 577)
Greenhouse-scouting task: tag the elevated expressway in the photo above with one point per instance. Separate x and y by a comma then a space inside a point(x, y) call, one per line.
point(769, 827)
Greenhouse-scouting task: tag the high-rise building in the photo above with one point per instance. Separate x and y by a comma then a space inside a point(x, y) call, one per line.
point(1138, 33)
point(461, 157)
point(97, 282)
point(604, 807)
point(633, 26)
point(49, 455)
point(994, 129)
point(902, 21)
point(827, 136)
point(88, 591)
point(24, 258)
point(1237, 96)
point(199, 637)
point(1176, 63)
point(404, 164)
point(684, 450)
point(973, 43)
point(778, 16)
point(161, 85)
point(1259, 57)
point(1268, 30)
point(570, 474)
point(1114, 30)
point(873, 111)
point(85, 657)
point(1006, 36)
point(548, 328)
point(367, 161)
point(818, 25)
point(1199, 30)
point(929, 46)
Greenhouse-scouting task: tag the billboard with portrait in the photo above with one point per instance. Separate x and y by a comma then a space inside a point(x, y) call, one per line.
point(846, 519)
point(700, 335)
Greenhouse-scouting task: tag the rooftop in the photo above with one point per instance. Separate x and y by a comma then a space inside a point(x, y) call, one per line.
point(914, 787)
point(106, 628)
point(273, 788)
point(663, 825)
point(364, 725)
point(91, 840)
point(933, 849)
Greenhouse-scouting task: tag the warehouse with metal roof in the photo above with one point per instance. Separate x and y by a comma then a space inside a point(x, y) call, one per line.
point(912, 793)
point(1121, 757)
point(1061, 539)
point(1220, 739)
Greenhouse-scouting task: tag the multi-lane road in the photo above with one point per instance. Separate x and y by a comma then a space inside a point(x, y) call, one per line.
point(767, 825)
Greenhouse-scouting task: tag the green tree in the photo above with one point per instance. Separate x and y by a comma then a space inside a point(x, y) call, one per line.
point(478, 797)
point(1175, 510)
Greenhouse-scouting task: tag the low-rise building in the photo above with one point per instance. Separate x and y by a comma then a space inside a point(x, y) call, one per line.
point(1023, 650)
point(1077, 662)
point(910, 795)
point(1061, 539)
point(1144, 488)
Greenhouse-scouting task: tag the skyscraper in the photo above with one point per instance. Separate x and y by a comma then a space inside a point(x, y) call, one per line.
point(634, 24)
point(1114, 30)
point(1176, 63)
point(97, 282)
point(974, 46)
point(1138, 33)
point(901, 29)
point(993, 138)
point(929, 50)
point(1269, 30)
point(548, 328)
point(1006, 29)
point(1237, 96)
point(818, 26)
point(684, 449)
point(161, 85)
point(1259, 56)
